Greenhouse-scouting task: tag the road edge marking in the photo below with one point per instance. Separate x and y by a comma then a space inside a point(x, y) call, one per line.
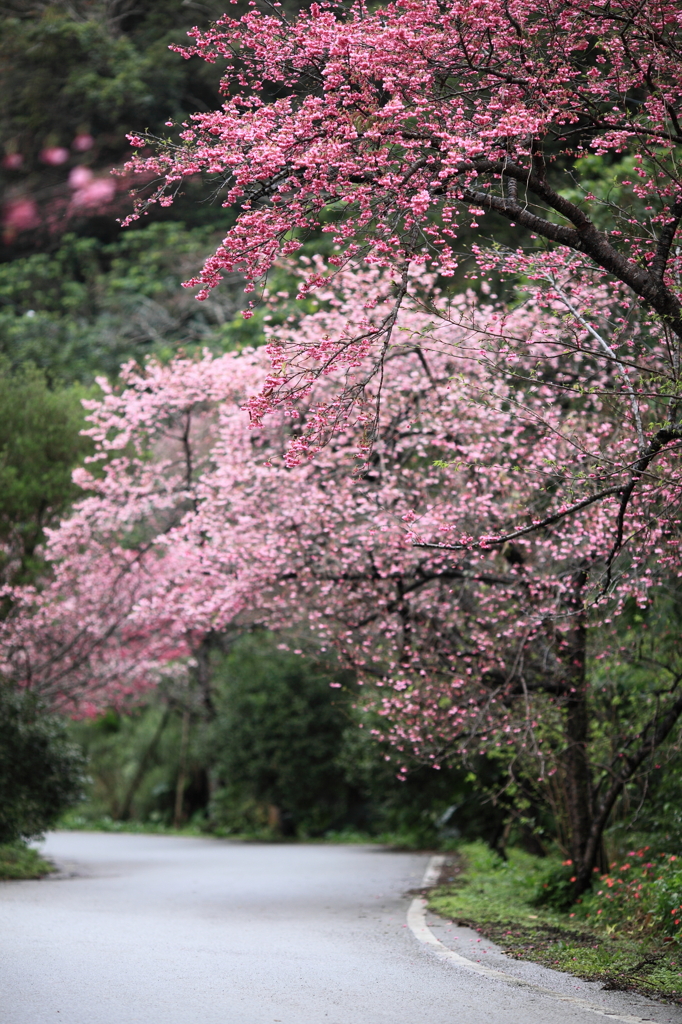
point(416, 922)
point(433, 870)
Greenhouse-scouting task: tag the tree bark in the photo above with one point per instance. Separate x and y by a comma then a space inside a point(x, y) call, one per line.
point(178, 815)
point(577, 773)
point(576, 764)
point(143, 764)
point(203, 673)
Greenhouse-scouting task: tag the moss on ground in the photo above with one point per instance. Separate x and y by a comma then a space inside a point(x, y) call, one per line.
point(18, 861)
point(500, 900)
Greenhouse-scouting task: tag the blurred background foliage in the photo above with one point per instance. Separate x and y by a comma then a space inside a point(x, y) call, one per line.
point(282, 755)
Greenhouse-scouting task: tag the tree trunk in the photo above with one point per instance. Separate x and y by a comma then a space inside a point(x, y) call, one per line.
point(178, 815)
point(578, 787)
point(143, 764)
point(203, 673)
point(578, 782)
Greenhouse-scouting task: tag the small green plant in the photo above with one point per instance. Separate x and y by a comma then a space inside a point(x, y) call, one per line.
point(555, 887)
point(19, 861)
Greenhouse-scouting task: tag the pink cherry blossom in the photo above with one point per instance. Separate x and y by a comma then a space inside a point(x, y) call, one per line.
point(395, 130)
point(82, 142)
point(20, 215)
point(94, 193)
point(54, 155)
point(79, 177)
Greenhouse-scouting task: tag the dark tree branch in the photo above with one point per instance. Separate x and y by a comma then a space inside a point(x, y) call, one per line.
point(665, 240)
point(629, 766)
point(548, 521)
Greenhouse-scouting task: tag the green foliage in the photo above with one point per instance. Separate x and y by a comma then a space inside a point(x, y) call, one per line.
point(41, 772)
point(612, 182)
point(89, 306)
point(19, 861)
point(62, 72)
point(654, 812)
point(75, 820)
point(493, 889)
point(499, 899)
point(276, 740)
point(555, 888)
point(625, 688)
point(40, 443)
point(134, 762)
point(283, 753)
point(425, 809)
point(69, 67)
point(643, 894)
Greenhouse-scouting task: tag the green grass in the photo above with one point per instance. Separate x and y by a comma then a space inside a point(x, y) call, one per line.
point(18, 861)
point(72, 821)
point(75, 821)
point(500, 900)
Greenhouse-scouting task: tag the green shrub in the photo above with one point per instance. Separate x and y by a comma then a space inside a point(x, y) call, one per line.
point(641, 894)
point(41, 773)
point(18, 861)
point(276, 740)
point(555, 888)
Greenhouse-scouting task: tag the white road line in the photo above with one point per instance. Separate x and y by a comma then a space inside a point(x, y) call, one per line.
point(432, 873)
point(416, 920)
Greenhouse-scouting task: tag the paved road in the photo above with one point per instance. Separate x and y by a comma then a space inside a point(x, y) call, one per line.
point(165, 930)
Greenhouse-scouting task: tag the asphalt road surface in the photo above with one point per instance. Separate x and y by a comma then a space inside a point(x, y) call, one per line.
point(164, 930)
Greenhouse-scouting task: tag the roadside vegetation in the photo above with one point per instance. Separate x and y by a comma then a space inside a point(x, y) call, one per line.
point(41, 774)
point(20, 862)
point(624, 933)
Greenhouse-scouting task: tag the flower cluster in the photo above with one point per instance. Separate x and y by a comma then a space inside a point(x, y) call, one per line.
point(644, 893)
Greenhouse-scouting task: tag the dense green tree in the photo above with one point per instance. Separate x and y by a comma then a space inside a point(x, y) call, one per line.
point(76, 76)
point(40, 443)
point(276, 739)
point(74, 79)
point(41, 772)
point(87, 307)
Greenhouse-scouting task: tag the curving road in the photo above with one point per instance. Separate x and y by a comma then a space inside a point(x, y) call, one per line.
point(164, 930)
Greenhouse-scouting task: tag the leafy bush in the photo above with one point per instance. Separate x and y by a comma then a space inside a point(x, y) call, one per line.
point(86, 307)
point(641, 894)
point(426, 808)
point(41, 772)
point(276, 740)
point(555, 888)
point(40, 443)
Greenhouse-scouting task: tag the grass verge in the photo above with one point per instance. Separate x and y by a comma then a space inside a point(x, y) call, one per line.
point(500, 900)
point(76, 822)
point(18, 861)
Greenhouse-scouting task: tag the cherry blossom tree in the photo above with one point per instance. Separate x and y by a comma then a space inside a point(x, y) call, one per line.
point(402, 131)
point(474, 568)
point(129, 600)
point(550, 130)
